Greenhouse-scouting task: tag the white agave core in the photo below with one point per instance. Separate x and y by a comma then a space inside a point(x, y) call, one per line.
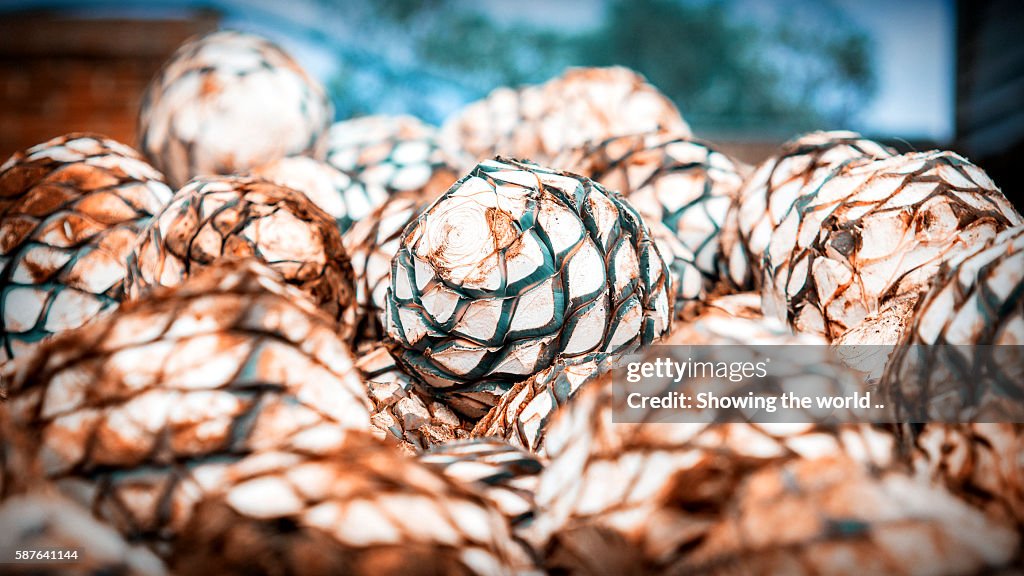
point(466, 229)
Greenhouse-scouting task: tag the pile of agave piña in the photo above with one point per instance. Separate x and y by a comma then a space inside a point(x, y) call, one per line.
point(381, 347)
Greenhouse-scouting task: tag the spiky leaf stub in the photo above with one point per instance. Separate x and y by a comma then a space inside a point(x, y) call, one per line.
point(337, 193)
point(44, 521)
point(371, 244)
point(400, 154)
point(541, 121)
point(638, 497)
point(401, 414)
point(769, 193)
point(682, 183)
point(522, 415)
point(230, 217)
point(513, 266)
point(70, 210)
point(362, 510)
point(227, 102)
point(874, 231)
point(136, 414)
point(376, 364)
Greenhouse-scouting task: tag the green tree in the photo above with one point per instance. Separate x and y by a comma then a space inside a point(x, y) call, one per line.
point(798, 66)
point(729, 73)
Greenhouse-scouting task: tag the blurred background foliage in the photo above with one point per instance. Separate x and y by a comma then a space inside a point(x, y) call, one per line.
point(729, 67)
point(747, 74)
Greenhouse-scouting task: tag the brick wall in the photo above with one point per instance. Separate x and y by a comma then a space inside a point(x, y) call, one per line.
point(62, 74)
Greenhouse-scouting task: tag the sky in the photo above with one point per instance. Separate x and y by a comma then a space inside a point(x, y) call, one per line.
point(914, 45)
point(916, 63)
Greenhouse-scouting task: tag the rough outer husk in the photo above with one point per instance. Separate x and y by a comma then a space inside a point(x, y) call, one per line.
point(363, 509)
point(873, 232)
point(135, 414)
point(232, 217)
point(228, 102)
point(514, 266)
point(70, 209)
point(769, 192)
point(401, 414)
point(539, 122)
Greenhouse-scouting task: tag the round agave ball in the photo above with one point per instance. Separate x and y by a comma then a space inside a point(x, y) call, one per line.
point(398, 153)
point(227, 102)
point(681, 183)
point(539, 122)
point(230, 217)
point(959, 370)
point(668, 498)
point(43, 520)
point(769, 193)
point(962, 359)
point(136, 414)
point(363, 509)
point(343, 197)
point(371, 245)
point(70, 210)
point(873, 232)
point(515, 265)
